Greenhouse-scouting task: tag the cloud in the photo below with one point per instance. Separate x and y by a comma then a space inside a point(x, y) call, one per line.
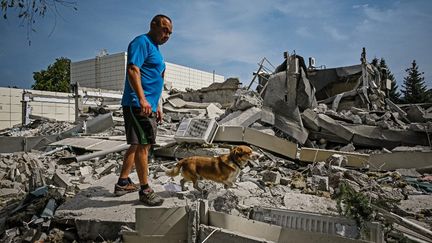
point(305, 32)
point(334, 33)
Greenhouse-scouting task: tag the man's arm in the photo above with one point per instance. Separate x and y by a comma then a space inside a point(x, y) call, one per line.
point(134, 77)
point(159, 112)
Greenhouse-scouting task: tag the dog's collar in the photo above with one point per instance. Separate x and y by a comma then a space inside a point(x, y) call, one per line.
point(234, 161)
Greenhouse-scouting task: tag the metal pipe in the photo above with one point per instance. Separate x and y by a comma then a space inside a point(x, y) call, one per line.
point(100, 153)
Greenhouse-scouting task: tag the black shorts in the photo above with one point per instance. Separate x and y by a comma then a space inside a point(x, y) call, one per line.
point(139, 129)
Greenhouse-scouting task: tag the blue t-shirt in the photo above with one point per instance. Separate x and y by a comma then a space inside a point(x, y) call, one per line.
point(145, 54)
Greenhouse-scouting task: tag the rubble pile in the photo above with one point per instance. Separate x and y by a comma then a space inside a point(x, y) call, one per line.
point(313, 142)
point(38, 127)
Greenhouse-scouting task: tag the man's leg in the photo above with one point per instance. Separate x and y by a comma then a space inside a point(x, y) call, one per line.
point(141, 163)
point(124, 184)
point(128, 162)
point(147, 195)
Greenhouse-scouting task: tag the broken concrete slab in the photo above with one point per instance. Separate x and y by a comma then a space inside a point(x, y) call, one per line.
point(176, 102)
point(90, 144)
point(243, 119)
point(333, 126)
point(159, 225)
point(400, 160)
point(397, 109)
point(415, 113)
point(257, 138)
point(310, 119)
point(374, 136)
point(291, 128)
point(271, 143)
point(99, 124)
point(245, 99)
point(106, 219)
point(267, 116)
point(229, 134)
point(315, 155)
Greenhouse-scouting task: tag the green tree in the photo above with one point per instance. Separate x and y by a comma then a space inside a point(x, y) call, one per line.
point(394, 95)
point(29, 10)
point(414, 87)
point(55, 78)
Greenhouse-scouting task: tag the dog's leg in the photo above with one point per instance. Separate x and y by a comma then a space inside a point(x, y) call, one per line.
point(228, 184)
point(182, 184)
point(196, 186)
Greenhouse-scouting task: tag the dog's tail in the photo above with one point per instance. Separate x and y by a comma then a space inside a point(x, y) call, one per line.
point(174, 171)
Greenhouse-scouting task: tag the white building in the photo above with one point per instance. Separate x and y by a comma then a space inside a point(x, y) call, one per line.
point(108, 72)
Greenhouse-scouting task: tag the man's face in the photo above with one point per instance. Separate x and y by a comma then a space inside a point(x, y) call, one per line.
point(162, 31)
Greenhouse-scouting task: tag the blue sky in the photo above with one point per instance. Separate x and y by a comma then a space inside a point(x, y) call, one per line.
point(229, 37)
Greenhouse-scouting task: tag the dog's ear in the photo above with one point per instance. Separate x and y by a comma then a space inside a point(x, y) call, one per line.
point(236, 151)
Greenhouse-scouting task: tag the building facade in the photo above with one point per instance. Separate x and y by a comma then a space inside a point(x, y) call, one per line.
point(108, 72)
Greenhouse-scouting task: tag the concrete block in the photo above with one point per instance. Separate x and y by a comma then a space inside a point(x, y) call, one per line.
point(310, 119)
point(313, 155)
point(284, 181)
point(244, 119)
point(213, 111)
point(272, 177)
point(267, 116)
point(271, 143)
point(229, 134)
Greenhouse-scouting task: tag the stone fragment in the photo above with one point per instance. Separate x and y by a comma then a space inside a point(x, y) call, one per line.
point(348, 148)
point(285, 181)
point(271, 177)
point(86, 170)
point(213, 111)
point(321, 182)
point(338, 160)
point(319, 169)
point(62, 180)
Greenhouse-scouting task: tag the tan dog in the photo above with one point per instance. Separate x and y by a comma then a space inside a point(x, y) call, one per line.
point(223, 169)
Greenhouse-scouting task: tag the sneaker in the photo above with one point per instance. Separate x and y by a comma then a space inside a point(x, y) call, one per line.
point(128, 188)
point(150, 198)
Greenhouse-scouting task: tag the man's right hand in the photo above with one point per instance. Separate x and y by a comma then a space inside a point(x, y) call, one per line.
point(146, 108)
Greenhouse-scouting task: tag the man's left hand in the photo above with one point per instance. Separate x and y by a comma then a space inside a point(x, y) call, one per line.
point(159, 115)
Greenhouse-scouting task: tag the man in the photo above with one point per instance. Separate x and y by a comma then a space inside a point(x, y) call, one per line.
point(141, 111)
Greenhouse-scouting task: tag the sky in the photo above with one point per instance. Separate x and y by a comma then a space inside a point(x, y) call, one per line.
point(227, 36)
